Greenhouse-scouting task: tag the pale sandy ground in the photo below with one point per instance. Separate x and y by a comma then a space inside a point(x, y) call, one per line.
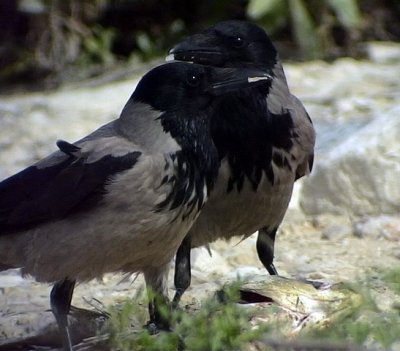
point(300, 253)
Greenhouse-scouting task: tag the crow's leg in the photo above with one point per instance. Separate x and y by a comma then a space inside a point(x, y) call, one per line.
point(183, 274)
point(265, 249)
point(60, 301)
point(156, 283)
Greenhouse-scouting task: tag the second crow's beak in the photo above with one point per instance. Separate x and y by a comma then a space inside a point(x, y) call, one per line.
point(225, 80)
point(197, 49)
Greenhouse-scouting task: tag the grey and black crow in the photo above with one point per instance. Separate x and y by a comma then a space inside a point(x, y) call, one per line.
point(122, 198)
point(267, 145)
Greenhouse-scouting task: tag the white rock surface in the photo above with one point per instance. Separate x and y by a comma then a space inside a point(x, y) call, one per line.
point(381, 227)
point(361, 175)
point(383, 52)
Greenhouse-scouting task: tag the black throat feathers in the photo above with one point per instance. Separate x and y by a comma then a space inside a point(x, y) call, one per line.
point(247, 133)
point(195, 165)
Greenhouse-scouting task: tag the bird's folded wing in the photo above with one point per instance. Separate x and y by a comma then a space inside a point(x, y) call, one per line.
point(71, 181)
point(290, 117)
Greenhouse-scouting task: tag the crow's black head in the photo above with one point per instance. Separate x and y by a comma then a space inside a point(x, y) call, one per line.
point(228, 44)
point(174, 87)
point(190, 88)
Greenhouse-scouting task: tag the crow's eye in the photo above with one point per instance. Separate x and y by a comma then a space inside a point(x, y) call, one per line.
point(237, 42)
point(193, 80)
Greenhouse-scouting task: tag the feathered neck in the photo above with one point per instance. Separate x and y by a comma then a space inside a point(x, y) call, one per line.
point(196, 164)
point(245, 133)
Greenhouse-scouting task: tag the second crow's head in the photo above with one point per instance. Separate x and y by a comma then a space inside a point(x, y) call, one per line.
point(228, 44)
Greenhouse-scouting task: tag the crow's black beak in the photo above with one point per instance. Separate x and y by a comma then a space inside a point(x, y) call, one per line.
point(225, 80)
point(197, 49)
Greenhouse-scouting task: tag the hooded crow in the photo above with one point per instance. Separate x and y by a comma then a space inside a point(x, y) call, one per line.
point(267, 145)
point(122, 198)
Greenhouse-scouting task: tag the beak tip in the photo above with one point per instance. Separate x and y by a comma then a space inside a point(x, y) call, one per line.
point(170, 56)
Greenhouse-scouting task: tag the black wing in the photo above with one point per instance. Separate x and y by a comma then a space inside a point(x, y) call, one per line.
point(38, 194)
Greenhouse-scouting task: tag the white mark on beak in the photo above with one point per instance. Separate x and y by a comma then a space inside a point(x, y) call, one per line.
point(170, 57)
point(256, 79)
